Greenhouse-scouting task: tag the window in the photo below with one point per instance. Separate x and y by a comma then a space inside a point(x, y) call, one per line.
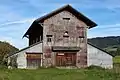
point(49, 35)
point(49, 38)
point(80, 31)
point(66, 18)
point(66, 34)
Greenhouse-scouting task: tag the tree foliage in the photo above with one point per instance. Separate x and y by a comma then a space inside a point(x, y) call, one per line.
point(118, 51)
point(5, 49)
point(104, 42)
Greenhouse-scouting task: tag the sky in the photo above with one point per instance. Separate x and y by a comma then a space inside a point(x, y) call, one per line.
point(16, 16)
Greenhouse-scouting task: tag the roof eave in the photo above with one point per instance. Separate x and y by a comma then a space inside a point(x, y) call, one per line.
point(72, 10)
point(99, 48)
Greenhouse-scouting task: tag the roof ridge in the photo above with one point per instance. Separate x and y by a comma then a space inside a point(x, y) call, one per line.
point(69, 8)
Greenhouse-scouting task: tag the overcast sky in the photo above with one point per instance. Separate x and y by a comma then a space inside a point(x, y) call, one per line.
point(16, 17)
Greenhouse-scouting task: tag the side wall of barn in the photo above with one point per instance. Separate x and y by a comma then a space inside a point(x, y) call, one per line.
point(21, 56)
point(98, 57)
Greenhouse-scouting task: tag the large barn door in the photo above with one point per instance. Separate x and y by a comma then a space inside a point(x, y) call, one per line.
point(70, 59)
point(33, 60)
point(60, 59)
point(66, 59)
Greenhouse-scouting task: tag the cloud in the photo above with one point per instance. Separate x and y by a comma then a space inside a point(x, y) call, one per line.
point(117, 25)
point(12, 32)
point(17, 42)
point(18, 22)
point(17, 16)
point(105, 30)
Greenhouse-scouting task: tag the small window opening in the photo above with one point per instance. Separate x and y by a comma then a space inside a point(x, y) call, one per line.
point(81, 36)
point(49, 35)
point(49, 38)
point(66, 34)
point(66, 18)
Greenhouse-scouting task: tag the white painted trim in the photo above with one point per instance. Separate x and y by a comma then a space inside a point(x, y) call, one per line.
point(41, 60)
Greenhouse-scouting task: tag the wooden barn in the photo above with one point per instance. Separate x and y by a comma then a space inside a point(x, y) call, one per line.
point(59, 39)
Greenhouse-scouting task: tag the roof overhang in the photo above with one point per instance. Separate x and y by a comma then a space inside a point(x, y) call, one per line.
point(78, 15)
point(61, 48)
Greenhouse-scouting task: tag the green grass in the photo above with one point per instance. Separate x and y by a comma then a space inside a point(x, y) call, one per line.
point(62, 74)
point(59, 74)
point(116, 59)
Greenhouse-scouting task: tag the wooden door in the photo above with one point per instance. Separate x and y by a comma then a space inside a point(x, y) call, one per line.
point(33, 60)
point(70, 59)
point(66, 59)
point(60, 59)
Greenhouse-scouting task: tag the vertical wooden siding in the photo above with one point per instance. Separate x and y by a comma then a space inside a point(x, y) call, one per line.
point(33, 60)
point(66, 59)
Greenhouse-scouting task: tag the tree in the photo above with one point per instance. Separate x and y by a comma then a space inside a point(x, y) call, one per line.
point(5, 49)
point(118, 51)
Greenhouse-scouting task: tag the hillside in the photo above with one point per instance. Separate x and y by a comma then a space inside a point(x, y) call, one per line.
point(111, 44)
point(6, 48)
point(104, 42)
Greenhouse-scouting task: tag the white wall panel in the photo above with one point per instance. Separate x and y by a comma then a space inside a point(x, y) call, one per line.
point(99, 58)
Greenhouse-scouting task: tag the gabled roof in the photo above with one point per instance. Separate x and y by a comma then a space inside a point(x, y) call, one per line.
point(41, 42)
point(98, 48)
point(10, 54)
point(79, 15)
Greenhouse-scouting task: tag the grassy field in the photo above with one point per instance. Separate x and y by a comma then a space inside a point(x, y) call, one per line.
point(63, 74)
point(59, 74)
point(116, 59)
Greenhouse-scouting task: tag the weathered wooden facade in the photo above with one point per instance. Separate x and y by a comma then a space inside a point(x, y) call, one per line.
point(67, 34)
point(63, 34)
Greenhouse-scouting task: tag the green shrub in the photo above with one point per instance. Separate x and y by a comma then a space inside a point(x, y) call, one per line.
point(3, 66)
point(94, 67)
